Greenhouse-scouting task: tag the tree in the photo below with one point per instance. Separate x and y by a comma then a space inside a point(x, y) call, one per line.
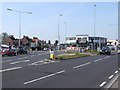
point(4, 37)
point(56, 42)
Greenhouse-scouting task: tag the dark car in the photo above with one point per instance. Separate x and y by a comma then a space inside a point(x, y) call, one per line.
point(105, 50)
point(8, 52)
point(21, 50)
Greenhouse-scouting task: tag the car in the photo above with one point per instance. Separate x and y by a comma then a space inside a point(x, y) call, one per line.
point(105, 50)
point(8, 52)
point(21, 50)
point(45, 49)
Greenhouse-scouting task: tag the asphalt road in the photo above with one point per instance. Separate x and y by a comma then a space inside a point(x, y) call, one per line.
point(34, 71)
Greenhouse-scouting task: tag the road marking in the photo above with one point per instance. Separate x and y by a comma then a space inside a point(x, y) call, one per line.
point(36, 62)
point(15, 62)
point(32, 55)
point(31, 81)
point(116, 71)
point(98, 60)
point(107, 57)
point(81, 65)
point(110, 76)
point(9, 69)
point(39, 54)
point(102, 84)
point(22, 58)
point(25, 60)
point(119, 68)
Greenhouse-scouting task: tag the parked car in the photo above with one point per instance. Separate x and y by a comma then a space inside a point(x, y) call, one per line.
point(21, 50)
point(105, 50)
point(111, 47)
point(45, 49)
point(8, 52)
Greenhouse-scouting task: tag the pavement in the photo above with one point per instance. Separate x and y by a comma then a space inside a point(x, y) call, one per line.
point(35, 71)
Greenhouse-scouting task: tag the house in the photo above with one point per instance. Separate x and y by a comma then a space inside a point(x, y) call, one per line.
point(10, 40)
point(26, 41)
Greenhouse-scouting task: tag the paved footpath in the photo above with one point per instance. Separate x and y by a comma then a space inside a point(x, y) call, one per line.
point(116, 84)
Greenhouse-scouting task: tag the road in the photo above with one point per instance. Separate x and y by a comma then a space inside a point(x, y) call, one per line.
point(34, 71)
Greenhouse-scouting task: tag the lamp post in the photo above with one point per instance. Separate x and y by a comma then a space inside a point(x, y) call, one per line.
point(94, 24)
point(19, 20)
point(65, 32)
point(58, 31)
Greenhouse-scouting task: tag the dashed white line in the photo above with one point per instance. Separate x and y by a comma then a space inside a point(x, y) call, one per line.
point(31, 81)
point(116, 71)
point(107, 57)
point(98, 60)
point(39, 54)
point(81, 65)
point(32, 55)
point(36, 62)
point(9, 69)
point(102, 84)
point(110, 76)
point(15, 62)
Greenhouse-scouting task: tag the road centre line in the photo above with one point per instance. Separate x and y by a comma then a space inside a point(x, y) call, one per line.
point(9, 69)
point(31, 81)
point(81, 65)
point(111, 76)
point(102, 84)
point(98, 60)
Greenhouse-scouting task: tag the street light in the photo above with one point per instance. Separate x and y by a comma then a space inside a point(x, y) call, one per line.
point(65, 32)
point(58, 31)
point(19, 20)
point(94, 24)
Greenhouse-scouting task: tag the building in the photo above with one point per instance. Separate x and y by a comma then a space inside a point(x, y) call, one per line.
point(86, 41)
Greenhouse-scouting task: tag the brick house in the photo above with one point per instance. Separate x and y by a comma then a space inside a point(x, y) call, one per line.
point(26, 41)
point(10, 40)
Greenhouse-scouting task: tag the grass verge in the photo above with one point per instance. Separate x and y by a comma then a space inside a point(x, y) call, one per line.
point(70, 56)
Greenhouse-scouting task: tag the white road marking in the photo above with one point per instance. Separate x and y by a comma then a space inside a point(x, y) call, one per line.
point(31, 81)
point(15, 62)
point(9, 69)
point(81, 65)
point(22, 58)
point(107, 57)
point(98, 60)
point(39, 54)
point(102, 84)
point(110, 76)
point(119, 68)
point(32, 55)
point(116, 71)
point(36, 62)
point(25, 60)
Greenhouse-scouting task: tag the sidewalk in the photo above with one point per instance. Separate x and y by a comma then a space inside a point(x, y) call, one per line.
point(116, 84)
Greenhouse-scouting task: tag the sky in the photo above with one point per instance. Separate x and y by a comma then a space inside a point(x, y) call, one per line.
point(43, 22)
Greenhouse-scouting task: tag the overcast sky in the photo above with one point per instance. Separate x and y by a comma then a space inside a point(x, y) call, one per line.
point(43, 22)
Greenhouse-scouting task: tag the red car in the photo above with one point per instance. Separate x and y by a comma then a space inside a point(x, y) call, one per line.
point(8, 52)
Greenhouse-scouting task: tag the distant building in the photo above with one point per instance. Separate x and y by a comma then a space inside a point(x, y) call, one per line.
point(87, 41)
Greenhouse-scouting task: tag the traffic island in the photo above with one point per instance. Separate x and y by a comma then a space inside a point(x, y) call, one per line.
point(70, 56)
